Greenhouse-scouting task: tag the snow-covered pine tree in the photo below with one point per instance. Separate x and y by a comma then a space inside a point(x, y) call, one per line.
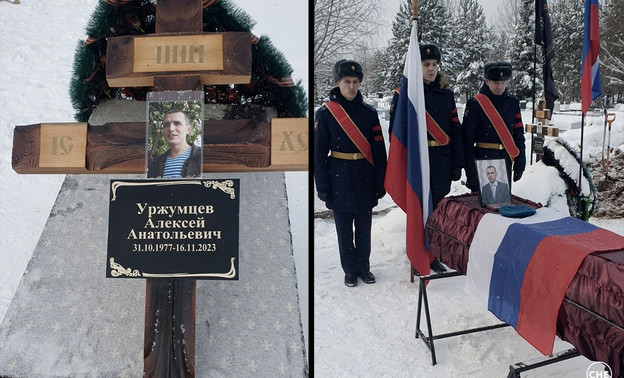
point(271, 84)
point(433, 23)
point(520, 52)
point(567, 19)
point(612, 54)
point(323, 82)
point(474, 37)
point(378, 70)
point(397, 48)
point(433, 27)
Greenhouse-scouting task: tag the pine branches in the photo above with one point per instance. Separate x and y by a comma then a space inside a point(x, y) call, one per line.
point(271, 83)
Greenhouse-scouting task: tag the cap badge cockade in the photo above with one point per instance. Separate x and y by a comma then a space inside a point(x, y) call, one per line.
point(352, 68)
point(428, 50)
point(501, 74)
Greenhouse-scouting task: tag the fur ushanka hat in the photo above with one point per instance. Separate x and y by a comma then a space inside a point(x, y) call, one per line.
point(345, 67)
point(497, 71)
point(430, 51)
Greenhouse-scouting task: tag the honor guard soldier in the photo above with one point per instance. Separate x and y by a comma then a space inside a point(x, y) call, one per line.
point(349, 167)
point(444, 135)
point(493, 125)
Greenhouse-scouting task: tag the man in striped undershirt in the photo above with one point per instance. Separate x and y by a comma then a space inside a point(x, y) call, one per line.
point(182, 159)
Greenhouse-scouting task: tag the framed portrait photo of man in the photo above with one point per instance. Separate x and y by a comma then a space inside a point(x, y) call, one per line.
point(174, 134)
point(494, 187)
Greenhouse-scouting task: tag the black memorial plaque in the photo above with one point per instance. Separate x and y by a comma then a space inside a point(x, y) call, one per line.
point(538, 145)
point(173, 229)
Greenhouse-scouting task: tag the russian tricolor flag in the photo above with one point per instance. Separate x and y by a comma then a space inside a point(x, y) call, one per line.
point(521, 269)
point(590, 63)
point(407, 173)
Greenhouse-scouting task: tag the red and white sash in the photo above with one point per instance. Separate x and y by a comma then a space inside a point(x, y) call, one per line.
point(499, 125)
point(351, 129)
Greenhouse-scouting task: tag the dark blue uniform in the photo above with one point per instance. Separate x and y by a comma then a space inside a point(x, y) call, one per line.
point(351, 188)
point(445, 162)
point(478, 128)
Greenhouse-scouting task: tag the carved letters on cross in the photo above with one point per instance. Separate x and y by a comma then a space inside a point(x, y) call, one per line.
point(190, 58)
point(217, 58)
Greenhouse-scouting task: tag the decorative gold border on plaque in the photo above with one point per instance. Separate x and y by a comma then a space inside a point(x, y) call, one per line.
point(227, 186)
point(230, 274)
point(118, 270)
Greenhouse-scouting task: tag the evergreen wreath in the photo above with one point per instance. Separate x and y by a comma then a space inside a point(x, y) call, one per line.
point(271, 83)
point(581, 206)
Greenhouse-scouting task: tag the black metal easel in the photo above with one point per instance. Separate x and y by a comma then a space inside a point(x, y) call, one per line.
point(514, 369)
point(519, 367)
point(422, 298)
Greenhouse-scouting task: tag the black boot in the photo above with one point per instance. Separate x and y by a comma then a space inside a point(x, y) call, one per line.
point(351, 280)
point(437, 266)
point(367, 277)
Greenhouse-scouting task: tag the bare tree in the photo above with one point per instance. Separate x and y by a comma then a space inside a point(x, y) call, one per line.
point(341, 28)
point(508, 10)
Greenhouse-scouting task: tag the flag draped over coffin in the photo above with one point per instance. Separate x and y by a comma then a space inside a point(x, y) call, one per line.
point(590, 62)
point(522, 269)
point(407, 173)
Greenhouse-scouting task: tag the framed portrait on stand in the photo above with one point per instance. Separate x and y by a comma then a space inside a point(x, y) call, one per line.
point(494, 188)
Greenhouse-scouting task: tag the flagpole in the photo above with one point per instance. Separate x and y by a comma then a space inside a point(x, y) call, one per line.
point(590, 71)
point(580, 193)
point(533, 105)
point(534, 79)
point(537, 22)
point(408, 170)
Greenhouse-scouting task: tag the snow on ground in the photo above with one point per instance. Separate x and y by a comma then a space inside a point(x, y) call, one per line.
point(37, 43)
point(369, 330)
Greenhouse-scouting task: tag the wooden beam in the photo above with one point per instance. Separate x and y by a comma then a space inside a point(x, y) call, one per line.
point(182, 81)
point(167, 340)
point(241, 145)
point(542, 114)
point(170, 303)
point(199, 52)
point(546, 130)
point(116, 147)
point(50, 148)
point(179, 16)
point(217, 58)
point(120, 147)
point(289, 143)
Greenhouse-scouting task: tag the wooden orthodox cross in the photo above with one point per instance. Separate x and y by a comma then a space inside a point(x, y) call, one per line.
point(540, 129)
point(177, 57)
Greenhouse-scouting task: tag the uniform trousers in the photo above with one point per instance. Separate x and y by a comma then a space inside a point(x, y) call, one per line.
point(354, 251)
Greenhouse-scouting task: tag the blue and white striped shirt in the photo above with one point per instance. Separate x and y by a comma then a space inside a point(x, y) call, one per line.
point(173, 166)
